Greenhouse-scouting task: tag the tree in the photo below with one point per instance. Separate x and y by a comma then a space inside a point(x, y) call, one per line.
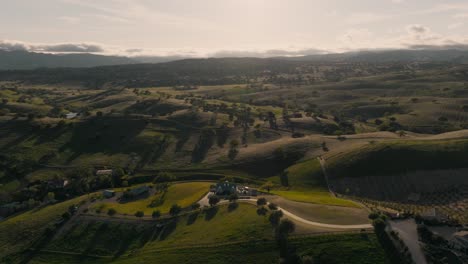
point(111, 211)
point(272, 206)
point(233, 197)
point(401, 133)
point(175, 210)
point(66, 215)
point(275, 217)
point(233, 151)
point(261, 201)
point(379, 224)
point(374, 215)
point(286, 227)
point(50, 196)
point(195, 206)
point(213, 200)
point(156, 214)
point(139, 214)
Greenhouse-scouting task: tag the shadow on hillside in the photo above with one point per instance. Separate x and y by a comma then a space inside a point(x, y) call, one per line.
point(108, 135)
point(92, 243)
point(168, 229)
point(192, 218)
point(210, 213)
point(232, 206)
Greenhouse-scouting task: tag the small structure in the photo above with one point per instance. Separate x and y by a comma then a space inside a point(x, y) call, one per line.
point(225, 188)
point(108, 193)
point(103, 172)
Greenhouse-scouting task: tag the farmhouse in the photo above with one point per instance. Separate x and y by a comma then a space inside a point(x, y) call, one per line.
point(225, 188)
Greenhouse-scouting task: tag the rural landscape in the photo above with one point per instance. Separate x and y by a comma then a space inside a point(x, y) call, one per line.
point(356, 155)
point(323, 146)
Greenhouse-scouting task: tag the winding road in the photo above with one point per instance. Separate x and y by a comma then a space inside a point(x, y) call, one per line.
point(204, 202)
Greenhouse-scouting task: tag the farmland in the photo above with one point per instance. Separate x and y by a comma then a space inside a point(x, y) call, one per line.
point(327, 143)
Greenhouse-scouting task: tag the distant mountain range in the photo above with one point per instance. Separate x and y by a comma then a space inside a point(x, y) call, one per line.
point(445, 55)
point(23, 60)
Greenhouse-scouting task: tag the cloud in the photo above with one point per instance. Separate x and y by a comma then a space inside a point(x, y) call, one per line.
point(7, 45)
point(422, 37)
point(12, 46)
point(417, 29)
point(134, 50)
point(76, 48)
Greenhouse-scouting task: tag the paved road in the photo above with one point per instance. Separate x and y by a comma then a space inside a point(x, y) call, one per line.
point(408, 233)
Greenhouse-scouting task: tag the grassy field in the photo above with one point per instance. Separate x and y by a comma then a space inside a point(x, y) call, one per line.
point(409, 155)
point(20, 232)
point(307, 184)
point(344, 248)
point(183, 194)
point(317, 197)
point(216, 225)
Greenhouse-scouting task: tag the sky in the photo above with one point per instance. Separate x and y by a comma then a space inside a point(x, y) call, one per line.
point(202, 28)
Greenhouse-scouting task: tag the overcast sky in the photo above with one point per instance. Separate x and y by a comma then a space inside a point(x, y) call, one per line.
point(230, 27)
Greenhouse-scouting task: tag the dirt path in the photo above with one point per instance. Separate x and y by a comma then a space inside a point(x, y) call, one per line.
point(322, 165)
point(408, 233)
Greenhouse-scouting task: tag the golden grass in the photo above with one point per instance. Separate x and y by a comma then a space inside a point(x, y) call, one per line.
point(183, 194)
